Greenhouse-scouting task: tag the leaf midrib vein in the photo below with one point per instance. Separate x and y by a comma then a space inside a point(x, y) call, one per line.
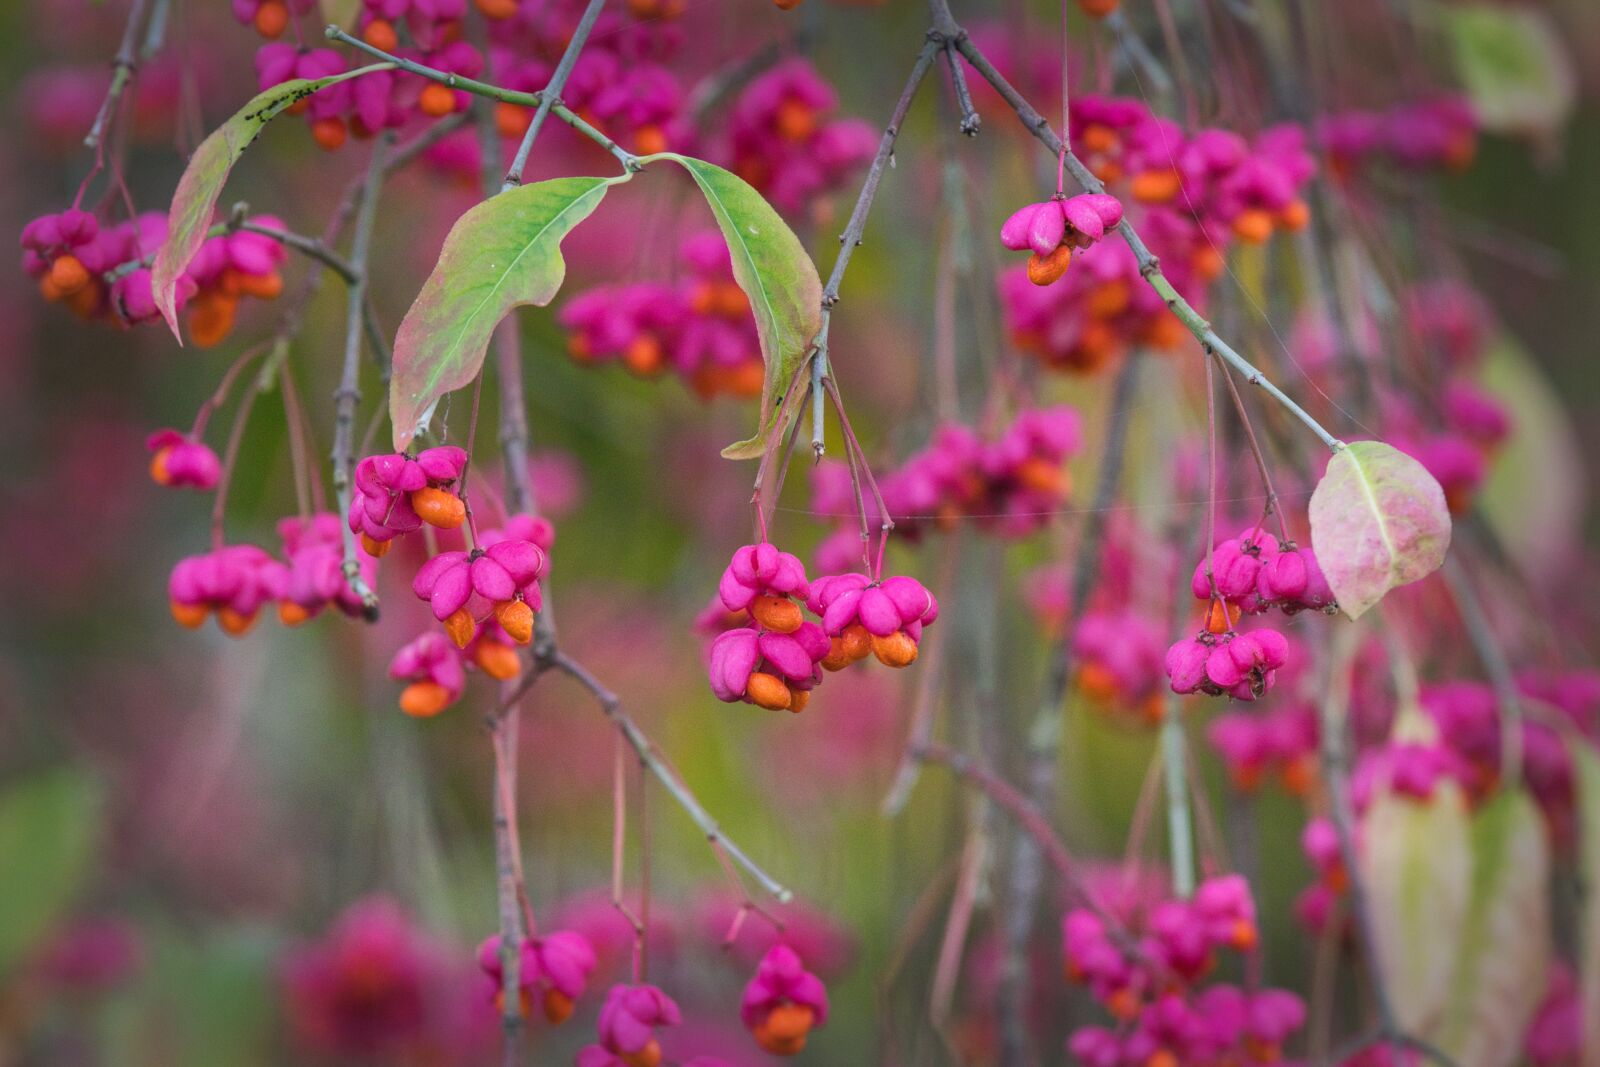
point(441, 365)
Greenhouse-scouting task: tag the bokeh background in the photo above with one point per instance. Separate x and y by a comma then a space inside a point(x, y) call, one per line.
point(182, 815)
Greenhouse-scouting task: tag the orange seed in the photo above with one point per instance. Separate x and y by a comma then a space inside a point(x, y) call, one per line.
point(777, 613)
point(767, 691)
point(439, 507)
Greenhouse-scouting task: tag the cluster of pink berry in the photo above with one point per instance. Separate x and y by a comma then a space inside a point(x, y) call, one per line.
point(1094, 315)
point(73, 258)
point(1055, 229)
point(1010, 485)
point(237, 581)
point(552, 971)
point(1248, 189)
point(1119, 656)
point(181, 460)
point(1279, 744)
point(701, 328)
point(375, 988)
point(783, 1002)
point(1150, 983)
point(774, 656)
point(396, 493)
point(486, 598)
point(1438, 133)
point(783, 137)
point(1471, 730)
point(1246, 575)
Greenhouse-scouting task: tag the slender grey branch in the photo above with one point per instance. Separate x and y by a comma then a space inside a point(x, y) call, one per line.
point(653, 761)
point(348, 397)
point(552, 92)
point(122, 71)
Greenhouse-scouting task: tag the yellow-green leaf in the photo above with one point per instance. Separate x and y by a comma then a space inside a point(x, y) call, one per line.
point(1416, 863)
point(777, 276)
point(195, 200)
point(502, 254)
point(1504, 958)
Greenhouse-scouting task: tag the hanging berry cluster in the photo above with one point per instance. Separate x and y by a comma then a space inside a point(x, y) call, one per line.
point(1153, 982)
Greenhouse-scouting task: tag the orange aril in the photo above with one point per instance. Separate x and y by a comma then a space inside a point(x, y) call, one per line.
point(424, 699)
point(516, 619)
point(768, 691)
point(439, 507)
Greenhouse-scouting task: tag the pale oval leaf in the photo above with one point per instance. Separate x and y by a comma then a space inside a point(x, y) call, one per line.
point(195, 200)
point(1514, 66)
point(1378, 520)
point(1540, 529)
point(504, 253)
point(1415, 863)
point(1505, 941)
point(777, 276)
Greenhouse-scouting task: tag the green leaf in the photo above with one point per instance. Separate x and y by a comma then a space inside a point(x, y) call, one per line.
point(777, 276)
point(1378, 520)
point(1505, 941)
point(1539, 528)
point(196, 198)
point(49, 825)
point(504, 253)
point(1415, 862)
point(1586, 765)
point(1513, 65)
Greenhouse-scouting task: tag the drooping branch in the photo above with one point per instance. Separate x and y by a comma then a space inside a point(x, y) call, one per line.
point(1149, 265)
point(656, 764)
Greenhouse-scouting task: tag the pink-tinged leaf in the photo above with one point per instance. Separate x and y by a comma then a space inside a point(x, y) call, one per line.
point(196, 198)
point(771, 266)
point(1378, 520)
point(504, 253)
point(1416, 863)
point(1505, 941)
point(1586, 775)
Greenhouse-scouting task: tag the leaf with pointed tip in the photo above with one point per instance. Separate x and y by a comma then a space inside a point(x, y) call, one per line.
point(1416, 858)
point(777, 276)
point(195, 200)
point(502, 254)
point(1378, 520)
point(1504, 957)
